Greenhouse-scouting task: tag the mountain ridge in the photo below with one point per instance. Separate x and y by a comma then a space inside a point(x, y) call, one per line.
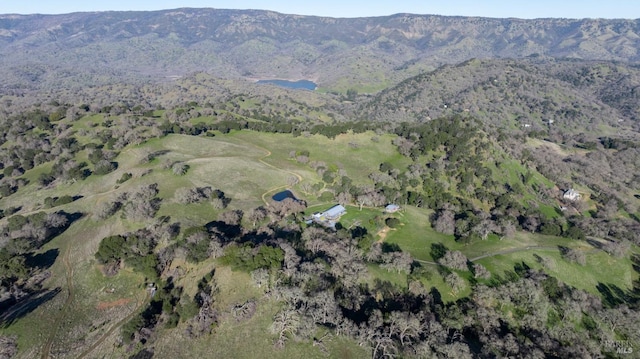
point(368, 53)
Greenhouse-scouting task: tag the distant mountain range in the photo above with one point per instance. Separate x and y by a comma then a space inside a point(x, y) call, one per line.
point(369, 54)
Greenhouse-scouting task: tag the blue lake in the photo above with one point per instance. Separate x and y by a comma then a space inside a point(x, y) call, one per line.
point(298, 85)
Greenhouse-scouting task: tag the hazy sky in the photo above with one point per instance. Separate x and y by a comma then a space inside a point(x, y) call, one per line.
point(629, 9)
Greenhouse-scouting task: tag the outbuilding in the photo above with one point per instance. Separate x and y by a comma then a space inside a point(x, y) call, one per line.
point(391, 208)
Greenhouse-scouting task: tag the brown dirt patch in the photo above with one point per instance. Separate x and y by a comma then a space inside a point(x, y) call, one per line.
point(383, 234)
point(115, 303)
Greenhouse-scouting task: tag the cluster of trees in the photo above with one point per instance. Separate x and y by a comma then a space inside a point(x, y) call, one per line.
point(20, 238)
point(523, 313)
point(318, 274)
point(610, 175)
point(169, 305)
point(138, 248)
point(201, 194)
point(504, 93)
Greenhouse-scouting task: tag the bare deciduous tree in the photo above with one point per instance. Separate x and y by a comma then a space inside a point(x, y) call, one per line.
point(575, 255)
point(107, 209)
point(231, 217)
point(256, 215)
point(445, 222)
point(179, 168)
point(292, 181)
point(454, 281)
point(8, 346)
point(454, 259)
point(479, 271)
point(285, 324)
point(193, 195)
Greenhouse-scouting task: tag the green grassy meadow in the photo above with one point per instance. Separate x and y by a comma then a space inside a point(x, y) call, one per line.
point(416, 236)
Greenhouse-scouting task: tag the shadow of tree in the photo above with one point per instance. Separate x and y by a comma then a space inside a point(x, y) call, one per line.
point(42, 260)
point(613, 295)
point(438, 250)
point(595, 244)
point(635, 259)
point(229, 231)
point(563, 250)
point(12, 310)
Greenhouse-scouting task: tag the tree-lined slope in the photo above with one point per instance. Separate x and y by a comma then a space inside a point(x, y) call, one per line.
point(569, 95)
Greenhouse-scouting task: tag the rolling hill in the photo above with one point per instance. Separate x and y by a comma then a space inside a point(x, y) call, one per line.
point(570, 95)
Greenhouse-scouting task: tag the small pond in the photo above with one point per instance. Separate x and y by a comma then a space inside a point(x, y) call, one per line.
point(298, 85)
point(281, 196)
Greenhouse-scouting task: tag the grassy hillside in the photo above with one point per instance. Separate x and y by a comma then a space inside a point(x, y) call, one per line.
point(247, 166)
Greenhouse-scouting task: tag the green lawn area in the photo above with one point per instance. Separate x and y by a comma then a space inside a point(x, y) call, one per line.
point(377, 272)
point(362, 218)
point(416, 236)
point(600, 268)
point(336, 153)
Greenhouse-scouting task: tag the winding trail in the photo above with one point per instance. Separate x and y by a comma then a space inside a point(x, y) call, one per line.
point(46, 349)
point(513, 250)
point(116, 326)
point(506, 251)
point(261, 160)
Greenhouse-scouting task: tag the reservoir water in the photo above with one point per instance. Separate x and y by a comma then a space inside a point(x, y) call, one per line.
point(298, 85)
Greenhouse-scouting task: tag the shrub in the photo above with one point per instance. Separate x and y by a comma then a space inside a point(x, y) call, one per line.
point(107, 209)
point(45, 179)
point(392, 222)
point(575, 255)
point(454, 260)
point(111, 249)
point(124, 178)
point(103, 167)
point(180, 168)
point(50, 202)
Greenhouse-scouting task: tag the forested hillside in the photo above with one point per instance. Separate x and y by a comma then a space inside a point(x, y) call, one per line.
point(576, 96)
point(369, 54)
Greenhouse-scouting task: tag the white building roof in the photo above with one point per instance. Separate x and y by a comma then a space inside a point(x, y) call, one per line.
point(335, 211)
